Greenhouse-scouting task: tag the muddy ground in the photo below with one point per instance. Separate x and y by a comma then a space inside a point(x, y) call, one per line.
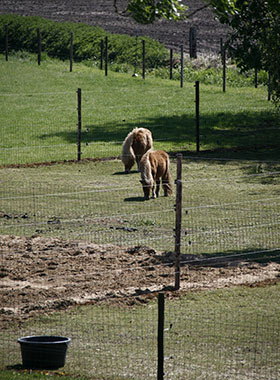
point(102, 13)
point(41, 275)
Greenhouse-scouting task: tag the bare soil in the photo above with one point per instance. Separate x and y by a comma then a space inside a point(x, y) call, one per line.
point(102, 13)
point(41, 275)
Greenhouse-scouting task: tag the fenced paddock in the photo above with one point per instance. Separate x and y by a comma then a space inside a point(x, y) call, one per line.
point(83, 255)
point(81, 233)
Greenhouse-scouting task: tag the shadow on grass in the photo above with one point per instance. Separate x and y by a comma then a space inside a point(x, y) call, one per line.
point(221, 132)
point(124, 173)
point(232, 258)
point(135, 199)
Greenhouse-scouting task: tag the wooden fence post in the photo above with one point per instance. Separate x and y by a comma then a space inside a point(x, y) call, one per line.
point(192, 42)
point(79, 131)
point(197, 100)
point(143, 59)
point(178, 209)
point(6, 42)
point(71, 51)
point(182, 65)
point(39, 45)
point(160, 370)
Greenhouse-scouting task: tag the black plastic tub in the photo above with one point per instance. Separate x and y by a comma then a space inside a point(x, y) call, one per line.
point(45, 352)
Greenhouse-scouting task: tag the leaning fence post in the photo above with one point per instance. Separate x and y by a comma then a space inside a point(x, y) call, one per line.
point(79, 131)
point(178, 209)
point(6, 42)
point(71, 51)
point(39, 46)
point(160, 371)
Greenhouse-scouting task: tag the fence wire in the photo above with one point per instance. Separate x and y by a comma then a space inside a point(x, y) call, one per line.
point(206, 343)
point(82, 253)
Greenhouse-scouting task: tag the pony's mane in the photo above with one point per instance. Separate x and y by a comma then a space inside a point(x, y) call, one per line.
point(142, 137)
point(146, 170)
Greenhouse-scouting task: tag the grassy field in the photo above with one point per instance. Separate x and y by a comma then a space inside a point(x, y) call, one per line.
point(231, 332)
point(39, 114)
point(230, 206)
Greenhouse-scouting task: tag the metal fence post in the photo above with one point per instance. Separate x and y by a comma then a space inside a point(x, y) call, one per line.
point(178, 209)
point(269, 87)
point(182, 65)
point(144, 59)
point(106, 56)
point(101, 54)
point(6, 42)
point(171, 64)
point(39, 46)
point(71, 51)
point(223, 54)
point(256, 78)
point(197, 114)
point(160, 369)
point(79, 131)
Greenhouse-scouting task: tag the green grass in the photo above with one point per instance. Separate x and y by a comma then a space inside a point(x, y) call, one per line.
point(233, 332)
point(13, 374)
point(232, 206)
point(39, 114)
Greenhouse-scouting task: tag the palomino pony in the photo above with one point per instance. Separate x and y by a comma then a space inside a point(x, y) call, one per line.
point(154, 166)
point(136, 143)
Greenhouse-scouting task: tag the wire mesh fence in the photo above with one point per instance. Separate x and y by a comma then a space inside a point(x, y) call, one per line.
point(75, 234)
point(82, 253)
point(113, 342)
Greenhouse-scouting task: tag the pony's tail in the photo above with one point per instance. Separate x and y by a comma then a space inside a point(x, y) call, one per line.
point(166, 181)
point(128, 156)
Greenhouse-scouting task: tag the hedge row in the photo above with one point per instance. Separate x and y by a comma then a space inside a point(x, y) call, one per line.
point(55, 41)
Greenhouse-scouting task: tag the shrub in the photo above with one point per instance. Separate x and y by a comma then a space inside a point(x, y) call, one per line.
point(55, 40)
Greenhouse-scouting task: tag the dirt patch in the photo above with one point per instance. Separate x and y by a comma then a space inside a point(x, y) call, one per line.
point(102, 13)
point(41, 275)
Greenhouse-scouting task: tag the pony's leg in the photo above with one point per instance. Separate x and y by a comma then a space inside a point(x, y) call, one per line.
point(138, 163)
point(154, 195)
point(157, 188)
point(165, 186)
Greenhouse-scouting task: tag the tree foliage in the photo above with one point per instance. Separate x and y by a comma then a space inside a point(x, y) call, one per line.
point(255, 39)
point(147, 11)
